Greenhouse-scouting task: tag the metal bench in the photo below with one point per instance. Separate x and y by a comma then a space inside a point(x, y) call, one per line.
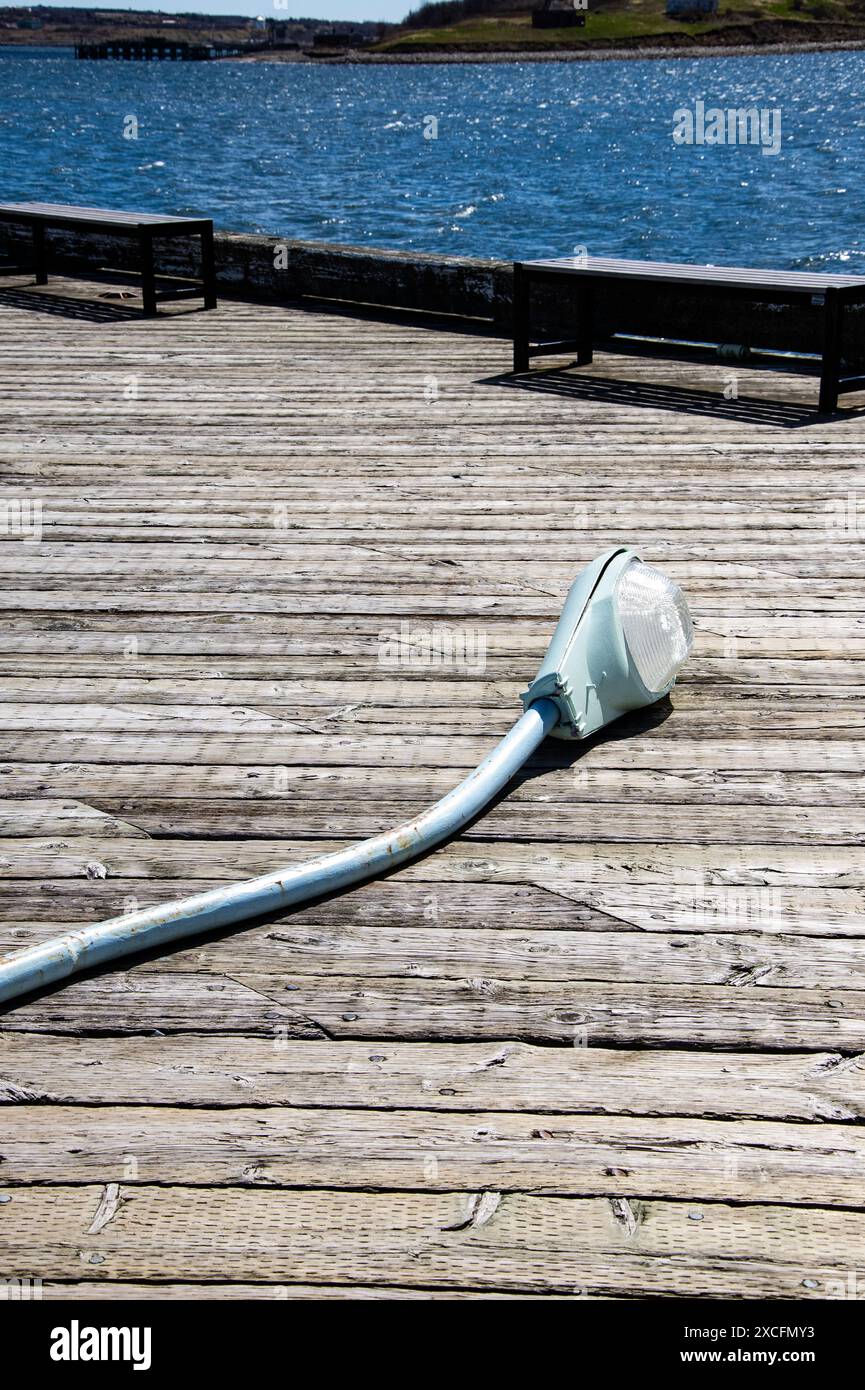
point(832, 293)
point(141, 227)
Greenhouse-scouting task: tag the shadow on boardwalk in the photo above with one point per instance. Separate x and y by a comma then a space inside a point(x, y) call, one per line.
point(67, 306)
point(659, 396)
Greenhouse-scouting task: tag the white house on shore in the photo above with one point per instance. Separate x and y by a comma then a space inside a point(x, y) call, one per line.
point(559, 14)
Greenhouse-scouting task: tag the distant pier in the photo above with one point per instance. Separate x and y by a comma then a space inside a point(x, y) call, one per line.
point(158, 49)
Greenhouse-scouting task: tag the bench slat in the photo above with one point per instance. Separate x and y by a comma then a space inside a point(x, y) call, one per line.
point(682, 273)
point(59, 212)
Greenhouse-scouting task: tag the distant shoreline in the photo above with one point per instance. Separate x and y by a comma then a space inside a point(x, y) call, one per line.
point(623, 53)
point(357, 57)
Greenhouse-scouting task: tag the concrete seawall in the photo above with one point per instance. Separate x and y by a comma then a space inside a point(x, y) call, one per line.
point(278, 269)
point(267, 267)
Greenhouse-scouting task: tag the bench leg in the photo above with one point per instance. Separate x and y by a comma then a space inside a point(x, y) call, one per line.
point(585, 326)
point(40, 264)
point(148, 281)
point(831, 366)
point(208, 268)
point(521, 319)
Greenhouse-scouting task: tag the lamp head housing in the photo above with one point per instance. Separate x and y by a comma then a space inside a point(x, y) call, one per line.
point(624, 633)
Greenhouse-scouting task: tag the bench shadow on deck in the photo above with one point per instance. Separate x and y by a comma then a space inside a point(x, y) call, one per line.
point(577, 385)
point(606, 1043)
point(40, 301)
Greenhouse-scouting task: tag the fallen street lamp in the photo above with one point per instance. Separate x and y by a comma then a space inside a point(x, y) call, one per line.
point(623, 634)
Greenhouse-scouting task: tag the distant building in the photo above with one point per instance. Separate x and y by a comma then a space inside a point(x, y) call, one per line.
point(691, 9)
point(341, 36)
point(559, 14)
point(309, 34)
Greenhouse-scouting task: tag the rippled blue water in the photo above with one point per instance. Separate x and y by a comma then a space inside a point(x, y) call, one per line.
point(530, 159)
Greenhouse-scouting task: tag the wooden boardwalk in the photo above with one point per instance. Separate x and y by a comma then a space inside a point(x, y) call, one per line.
point(293, 568)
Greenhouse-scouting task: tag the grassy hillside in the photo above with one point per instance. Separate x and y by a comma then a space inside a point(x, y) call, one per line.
point(51, 26)
point(64, 25)
point(619, 23)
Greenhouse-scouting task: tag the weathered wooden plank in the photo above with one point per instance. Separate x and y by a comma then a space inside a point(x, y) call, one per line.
point(411, 575)
point(40, 633)
point(120, 1003)
point(721, 596)
point(130, 537)
point(157, 997)
point(440, 952)
point(739, 469)
point(100, 656)
point(682, 508)
point(457, 702)
point(486, 1241)
point(51, 816)
point(585, 782)
point(274, 453)
point(414, 1150)
point(228, 787)
point(637, 821)
point(211, 1071)
point(32, 910)
point(563, 867)
point(654, 749)
point(424, 726)
point(436, 952)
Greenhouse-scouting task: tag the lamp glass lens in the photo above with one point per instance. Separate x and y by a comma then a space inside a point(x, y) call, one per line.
point(656, 624)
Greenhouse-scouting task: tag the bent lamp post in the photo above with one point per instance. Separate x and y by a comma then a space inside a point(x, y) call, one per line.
point(622, 636)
